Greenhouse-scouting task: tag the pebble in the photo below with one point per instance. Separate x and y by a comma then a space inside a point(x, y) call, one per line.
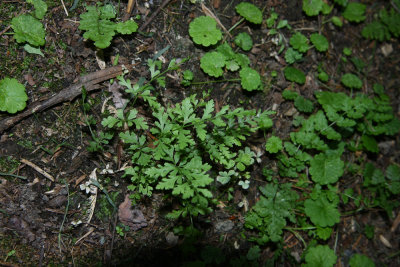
point(224, 226)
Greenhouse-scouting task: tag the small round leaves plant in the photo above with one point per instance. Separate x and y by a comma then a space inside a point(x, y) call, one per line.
point(250, 12)
point(321, 256)
point(12, 95)
point(204, 31)
point(299, 42)
point(326, 169)
point(274, 144)
point(358, 260)
point(212, 64)
point(351, 81)
point(294, 75)
point(354, 12)
point(250, 79)
point(28, 29)
point(244, 41)
point(312, 7)
point(319, 41)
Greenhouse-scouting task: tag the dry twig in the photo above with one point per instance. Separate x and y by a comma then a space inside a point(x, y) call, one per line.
point(90, 82)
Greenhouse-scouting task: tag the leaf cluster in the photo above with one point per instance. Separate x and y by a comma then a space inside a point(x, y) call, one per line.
point(12, 95)
point(98, 27)
point(204, 32)
point(28, 28)
point(173, 148)
point(272, 212)
point(383, 28)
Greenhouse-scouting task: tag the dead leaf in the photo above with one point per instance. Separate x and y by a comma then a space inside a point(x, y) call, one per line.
point(28, 77)
point(118, 100)
point(131, 217)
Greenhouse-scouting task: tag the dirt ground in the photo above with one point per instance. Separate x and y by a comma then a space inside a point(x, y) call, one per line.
point(36, 213)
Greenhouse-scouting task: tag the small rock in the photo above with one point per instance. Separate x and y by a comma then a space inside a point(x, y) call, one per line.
point(224, 226)
point(386, 49)
point(290, 112)
point(58, 201)
point(171, 239)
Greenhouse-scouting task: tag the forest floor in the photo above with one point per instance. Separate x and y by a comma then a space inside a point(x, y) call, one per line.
point(44, 158)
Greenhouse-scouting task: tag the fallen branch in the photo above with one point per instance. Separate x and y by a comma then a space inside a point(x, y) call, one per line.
point(90, 82)
point(164, 3)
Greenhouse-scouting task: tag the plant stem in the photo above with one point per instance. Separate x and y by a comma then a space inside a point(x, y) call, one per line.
point(219, 81)
point(12, 175)
point(236, 24)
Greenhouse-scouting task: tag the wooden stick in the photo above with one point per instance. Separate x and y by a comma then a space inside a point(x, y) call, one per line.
point(38, 169)
point(90, 82)
point(164, 3)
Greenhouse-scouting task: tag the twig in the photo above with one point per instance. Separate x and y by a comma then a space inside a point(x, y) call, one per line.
point(65, 9)
point(208, 12)
point(5, 30)
point(65, 217)
point(91, 230)
point(90, 82)
point(396, 223)
point(164, 3)
point(38, 169)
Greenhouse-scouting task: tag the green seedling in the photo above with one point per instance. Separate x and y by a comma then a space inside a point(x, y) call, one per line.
point(29, 29)
point(98, 27)
point(270, 214)
point(360, 260)
point(12, 95)
point(244, 41)
point(249, 12)
point(354, 12)
point(274, 144)
point(314, 7)
point(319, 41)
point(351, 81)
point(204, 32)
point(321, 256)
point(292, 56)
point(294, 75)
point(385, 27)
point(299, 42)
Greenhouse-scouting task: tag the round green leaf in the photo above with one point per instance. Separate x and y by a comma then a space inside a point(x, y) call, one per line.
point(12, 95)
point(250, 79)
point(351, 81)
point(291, 55)
point(303, 104)
point(188, 75)
point(326, 169)
point(244, 41)
point(274, 144)
point(319, 41)
point(337, 21)
point(321, 256)
point(127, 27)
point(360, 260)
point(323, 76)
point(354, 12)
point(312, 7)
point(299, 42)
point(204, 32)
point(250, 12)
point(321, 212)
point(212, 63)
point(294, 75)
point(28, 29)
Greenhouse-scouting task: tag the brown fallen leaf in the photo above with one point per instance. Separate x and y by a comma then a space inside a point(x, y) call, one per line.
point(131, 217)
